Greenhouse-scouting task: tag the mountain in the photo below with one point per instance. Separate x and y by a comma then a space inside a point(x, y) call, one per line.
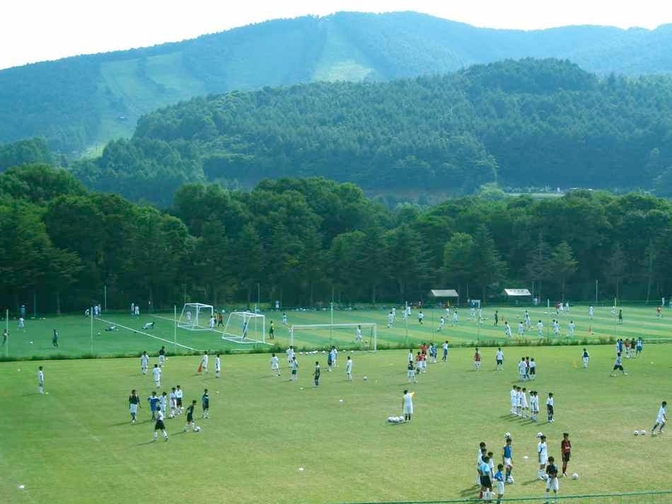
point(82, 102)
point(524, 124)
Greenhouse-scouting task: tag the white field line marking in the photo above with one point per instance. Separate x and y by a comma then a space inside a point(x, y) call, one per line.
point(147, 334)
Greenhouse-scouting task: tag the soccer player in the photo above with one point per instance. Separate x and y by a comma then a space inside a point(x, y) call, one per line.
point(499, 478)
point(159, 426)
point(522, 370)
point(330, 360)
point(550, 403)
point(40, 380)
point(514, 400)
point(585, 357)
point(639, 346)
point(211, 323)
point(570, 327)
point(179, 394)
point(527, 319)
point(507, 460)
point(484, 472)
point(22, 323)
point(442, 323)
point(566, 450)
point(271, 331)
point(316, 374)
point(153, 401)
point(410, 355)
point(163, 400)
point(157, 376)
point(507, 329)
point(137, 310)
point(218, 366)
point(534, 405)
point(144, 362)
point(54, 339)
point(173, 403)
point(496, 317)
point(620, 316)
point(290, 355)
point(205, 404)
point(499, 359)
point(275, 365)
point(444, 346)
point(133, 405)
point(591, 312)
point(455, 316)
point(552, 482)
point(162, 356)
point(542, 456)
point(348, 368)
point(390, 319)
point(412, 378)
point(284, 319)
point(421, 317)
point(477, 359)
point(540, 329)
point(5, 336)
point(204, 362)
point(532, 369)
point(190, 417)
point(521, 329)
point(524, 407)
point(358, 334)
point(407, 405)
point(295, 369)
point(148, 325)
point(661, 419)
point(618, 365)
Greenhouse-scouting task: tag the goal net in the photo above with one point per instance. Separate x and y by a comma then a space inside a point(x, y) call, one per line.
point(362, 336)
point(195, 317)
point(245, 327)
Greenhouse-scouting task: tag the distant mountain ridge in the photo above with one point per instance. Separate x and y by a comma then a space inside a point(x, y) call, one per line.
point(80, 102)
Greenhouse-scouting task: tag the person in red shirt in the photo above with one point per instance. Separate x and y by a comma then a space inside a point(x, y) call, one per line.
point(423, 348)
point(477, 359)
point(566, 450)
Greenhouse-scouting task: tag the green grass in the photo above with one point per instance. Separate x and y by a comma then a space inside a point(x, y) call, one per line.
point(77, 445)
point(130, 339)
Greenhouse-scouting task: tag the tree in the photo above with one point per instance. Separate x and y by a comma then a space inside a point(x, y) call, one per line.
point(248, 259)
point(538, 265)
point(488, 268)
point(406, 259)
point(458, 259)
point(616, 268)
point(563, 265)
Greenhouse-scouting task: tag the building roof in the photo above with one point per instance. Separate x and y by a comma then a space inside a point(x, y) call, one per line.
point(517, 292)
point(445, 293)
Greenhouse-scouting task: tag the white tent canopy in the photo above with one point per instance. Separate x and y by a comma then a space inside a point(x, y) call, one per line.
point(444, 293)
point(517, 292)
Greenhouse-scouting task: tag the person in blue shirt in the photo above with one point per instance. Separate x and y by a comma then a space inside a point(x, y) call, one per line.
point(153, 404)
point(484, 472)
point(499, 478)
point(507, 459)
point(639, 346)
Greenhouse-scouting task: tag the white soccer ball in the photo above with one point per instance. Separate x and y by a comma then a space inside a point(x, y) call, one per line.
point(636, 433)
point(509, 480)
point(507, 435)
point(642, 433)
point(197, 429)
point(301, 469)
point(31, 342)
point(575, 476)
point(365, 378)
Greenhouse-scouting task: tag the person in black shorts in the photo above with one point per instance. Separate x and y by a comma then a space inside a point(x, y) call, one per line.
point(316, 374)
point(159, 426)
point(190, 417)
point(566, 449)
point(205, 402)
point(484, 471)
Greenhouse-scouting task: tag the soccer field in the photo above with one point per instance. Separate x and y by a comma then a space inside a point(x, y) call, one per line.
point(79, 336)
point(76, 444)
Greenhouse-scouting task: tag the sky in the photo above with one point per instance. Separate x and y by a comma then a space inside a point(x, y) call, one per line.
point(39, 30)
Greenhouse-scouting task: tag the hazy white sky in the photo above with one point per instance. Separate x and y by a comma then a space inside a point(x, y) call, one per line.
point(37, 30)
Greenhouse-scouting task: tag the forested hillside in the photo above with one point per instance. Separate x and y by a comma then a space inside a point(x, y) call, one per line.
point(301, 240)
point(523, 124)
point(79, 102)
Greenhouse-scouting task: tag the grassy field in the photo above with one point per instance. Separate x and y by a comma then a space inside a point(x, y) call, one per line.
point(76, 444)
point(77, 336)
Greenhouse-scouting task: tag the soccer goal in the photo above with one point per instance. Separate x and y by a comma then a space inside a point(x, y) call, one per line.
point(245, 327)
point(362, 336)
point(195, 317)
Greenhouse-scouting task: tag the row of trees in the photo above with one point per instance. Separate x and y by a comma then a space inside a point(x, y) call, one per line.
point(304, 240)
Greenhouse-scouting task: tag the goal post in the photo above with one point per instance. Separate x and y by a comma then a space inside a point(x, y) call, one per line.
point(195, 317)
point(245, 327)
point(355, 336)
